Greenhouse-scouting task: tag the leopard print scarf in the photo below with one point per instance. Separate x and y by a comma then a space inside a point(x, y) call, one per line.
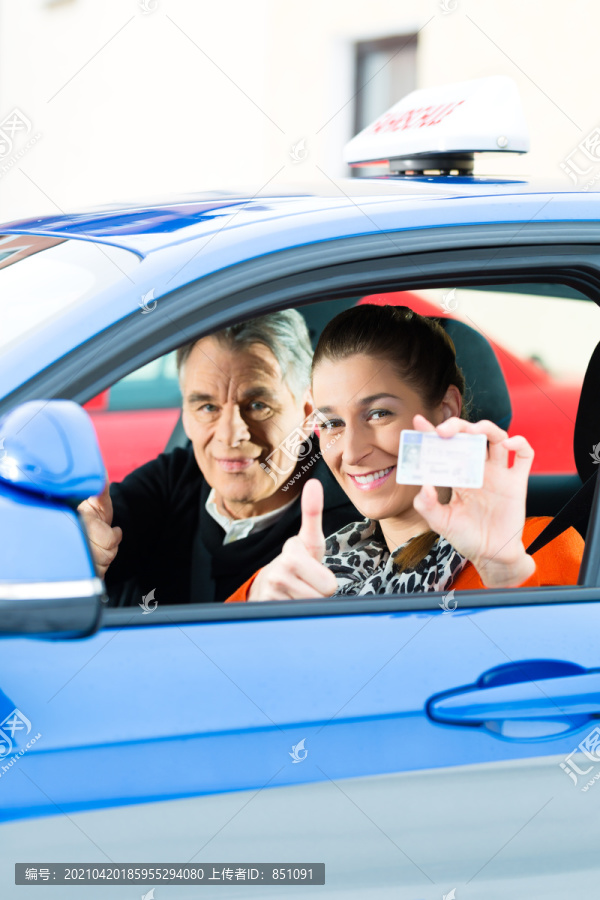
point(360, 560)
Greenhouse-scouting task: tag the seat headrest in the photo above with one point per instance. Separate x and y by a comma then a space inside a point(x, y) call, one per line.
point(587, 423)
point(486, 385)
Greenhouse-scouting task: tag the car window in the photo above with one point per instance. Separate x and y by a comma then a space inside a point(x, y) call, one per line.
point(135, 418)
point(526, 325)
point(153, 386)
point(542, 334)
point(553, 325)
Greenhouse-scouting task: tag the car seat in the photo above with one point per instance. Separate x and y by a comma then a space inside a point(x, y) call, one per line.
point(586, 448)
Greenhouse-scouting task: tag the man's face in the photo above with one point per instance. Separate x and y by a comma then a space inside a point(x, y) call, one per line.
point(237, 410)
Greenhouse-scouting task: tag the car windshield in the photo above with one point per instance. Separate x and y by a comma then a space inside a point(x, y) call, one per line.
point(41, 277)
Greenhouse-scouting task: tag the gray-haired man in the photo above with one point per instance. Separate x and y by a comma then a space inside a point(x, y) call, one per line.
point(195, 523)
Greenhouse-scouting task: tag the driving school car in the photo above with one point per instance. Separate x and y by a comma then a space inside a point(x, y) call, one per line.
point(416, 746)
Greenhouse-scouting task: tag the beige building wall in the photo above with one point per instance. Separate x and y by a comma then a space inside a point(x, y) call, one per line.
point(134, 99)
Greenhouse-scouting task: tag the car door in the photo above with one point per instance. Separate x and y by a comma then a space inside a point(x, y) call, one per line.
point(416, 747)
point(411, 751)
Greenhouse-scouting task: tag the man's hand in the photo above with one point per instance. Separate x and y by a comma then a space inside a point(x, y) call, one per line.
point(97, 513)
point(298, 572)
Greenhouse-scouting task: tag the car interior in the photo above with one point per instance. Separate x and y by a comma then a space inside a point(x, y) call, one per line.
point(567, 496)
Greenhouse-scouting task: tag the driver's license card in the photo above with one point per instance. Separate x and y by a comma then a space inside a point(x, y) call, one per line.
point(426, 458)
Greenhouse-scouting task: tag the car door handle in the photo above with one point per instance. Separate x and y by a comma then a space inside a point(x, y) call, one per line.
point(569, 696)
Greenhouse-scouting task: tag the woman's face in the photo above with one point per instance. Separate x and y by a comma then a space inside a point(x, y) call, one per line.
point(366, 406)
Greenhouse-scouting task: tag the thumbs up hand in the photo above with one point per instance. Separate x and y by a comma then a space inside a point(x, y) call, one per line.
point(298, 572)
point(97, 514)
point(311, 528)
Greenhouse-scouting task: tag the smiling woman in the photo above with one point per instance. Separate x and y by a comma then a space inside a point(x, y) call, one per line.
point(377, 371)
point(360, 354)
point(370, 414)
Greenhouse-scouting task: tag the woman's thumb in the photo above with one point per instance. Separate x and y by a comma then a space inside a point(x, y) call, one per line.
point(311, 530)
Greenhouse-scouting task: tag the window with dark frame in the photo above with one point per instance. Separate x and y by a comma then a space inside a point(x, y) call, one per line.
point(385, 71)
point(538, 354)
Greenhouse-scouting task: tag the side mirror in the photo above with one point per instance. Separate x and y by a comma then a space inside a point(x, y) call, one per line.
point(49, 462)
point(49, 447)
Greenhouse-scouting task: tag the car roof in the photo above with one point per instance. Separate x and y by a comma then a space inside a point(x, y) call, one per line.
point(189, 237)
point(144, 227)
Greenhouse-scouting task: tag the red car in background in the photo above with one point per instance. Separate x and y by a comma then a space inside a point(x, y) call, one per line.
point(136, 416)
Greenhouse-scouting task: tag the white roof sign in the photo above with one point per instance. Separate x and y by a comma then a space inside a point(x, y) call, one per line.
point(467, 117)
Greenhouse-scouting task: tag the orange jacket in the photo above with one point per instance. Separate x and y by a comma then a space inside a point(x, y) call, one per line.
point(556, 563)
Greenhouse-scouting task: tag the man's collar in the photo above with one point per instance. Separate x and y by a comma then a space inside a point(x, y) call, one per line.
point(235, 529)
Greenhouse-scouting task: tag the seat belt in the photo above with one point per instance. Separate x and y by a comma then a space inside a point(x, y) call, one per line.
point(575, 513)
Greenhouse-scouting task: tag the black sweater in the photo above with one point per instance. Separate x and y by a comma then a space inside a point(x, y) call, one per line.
point(173, 546)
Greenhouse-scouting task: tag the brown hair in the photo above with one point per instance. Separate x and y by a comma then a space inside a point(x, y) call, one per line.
point(421, 352)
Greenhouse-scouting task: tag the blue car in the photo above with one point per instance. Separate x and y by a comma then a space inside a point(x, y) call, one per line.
point(414, 748)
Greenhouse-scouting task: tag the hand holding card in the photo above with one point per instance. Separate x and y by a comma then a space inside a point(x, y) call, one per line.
point(427, 458)
point(485, 524)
